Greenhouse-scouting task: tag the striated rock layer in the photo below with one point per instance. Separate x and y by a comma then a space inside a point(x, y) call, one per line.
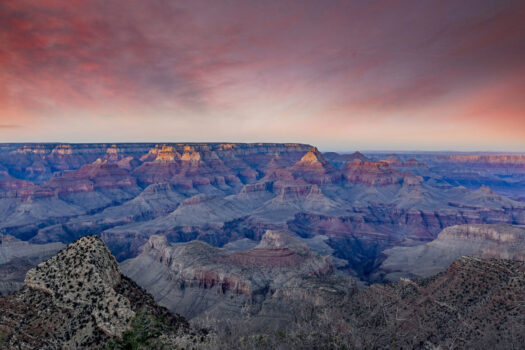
point(257, 285)
point(486, 241)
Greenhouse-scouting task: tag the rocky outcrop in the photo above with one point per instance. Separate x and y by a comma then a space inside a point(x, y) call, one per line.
point(76, 299)
point(407, 164)
point(90, 177)
point(486, 241)
point(204, 282)
point(371, 173)
point(314, 169)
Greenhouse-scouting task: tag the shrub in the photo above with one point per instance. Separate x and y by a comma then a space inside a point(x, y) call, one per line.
point(145, 329)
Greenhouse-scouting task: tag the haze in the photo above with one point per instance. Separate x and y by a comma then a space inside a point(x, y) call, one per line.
point(343, 75)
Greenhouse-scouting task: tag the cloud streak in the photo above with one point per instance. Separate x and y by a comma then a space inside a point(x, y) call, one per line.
point(261, 71)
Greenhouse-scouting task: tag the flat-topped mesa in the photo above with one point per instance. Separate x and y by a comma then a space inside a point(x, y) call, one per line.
point(277, 248)
point(501, 234)
point(281, 239)
point(85, 275)
point(397, 163)
point(265, 257)
point(484, 160)
point(499, 241)
point(35, 149)
point(372, 173)
point(202, 281)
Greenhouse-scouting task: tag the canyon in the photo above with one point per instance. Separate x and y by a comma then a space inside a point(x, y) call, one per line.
point(79, 299)
point(358, 205)
point(485, 241)
point(256, 286)
point(248, 237)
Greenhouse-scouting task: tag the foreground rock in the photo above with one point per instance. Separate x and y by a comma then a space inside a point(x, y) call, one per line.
point(262, 287)
point(487, 241)
point(78, 299)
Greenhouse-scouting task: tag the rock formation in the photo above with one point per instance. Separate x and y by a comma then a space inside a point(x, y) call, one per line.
point(203, 282)
point(487, 241)
point(77, 299)
point(473, 304)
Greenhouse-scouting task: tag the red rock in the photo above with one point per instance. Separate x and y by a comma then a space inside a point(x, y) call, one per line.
point(372, 173)
point(265, 257)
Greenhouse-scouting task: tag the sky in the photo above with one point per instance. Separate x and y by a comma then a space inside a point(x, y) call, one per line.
point(341, 75)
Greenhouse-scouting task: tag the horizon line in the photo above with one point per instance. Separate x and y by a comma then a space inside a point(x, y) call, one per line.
point(321, 149)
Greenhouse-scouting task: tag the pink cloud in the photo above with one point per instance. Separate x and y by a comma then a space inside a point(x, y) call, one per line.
point(250, 61)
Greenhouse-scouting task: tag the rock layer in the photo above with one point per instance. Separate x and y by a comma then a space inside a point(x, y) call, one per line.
point(204, 282)
point(486, 241)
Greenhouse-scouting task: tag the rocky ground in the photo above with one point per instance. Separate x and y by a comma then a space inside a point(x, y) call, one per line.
point(474, 304)
point(79, 299)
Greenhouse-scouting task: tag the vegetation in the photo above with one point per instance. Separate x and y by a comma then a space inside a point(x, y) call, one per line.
point(144, 334)
point(3, 336)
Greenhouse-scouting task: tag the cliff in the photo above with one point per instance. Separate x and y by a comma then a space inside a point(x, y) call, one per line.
point(256, 285)
point(486, 241)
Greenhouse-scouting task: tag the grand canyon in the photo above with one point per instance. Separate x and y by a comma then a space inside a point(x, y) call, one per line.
point(255, 234)
point(262, 175)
